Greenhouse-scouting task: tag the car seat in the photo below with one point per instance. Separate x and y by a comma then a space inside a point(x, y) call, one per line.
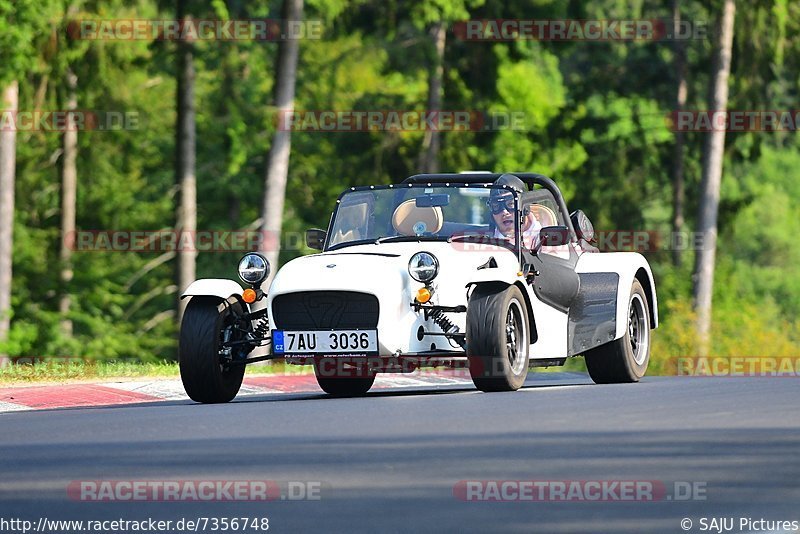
point(351, 221)
point(409, 219)
point(545, 215)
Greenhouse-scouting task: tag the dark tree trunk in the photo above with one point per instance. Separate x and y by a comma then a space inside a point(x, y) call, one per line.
point(185, 146)
point(678, 189)
point(431, 142)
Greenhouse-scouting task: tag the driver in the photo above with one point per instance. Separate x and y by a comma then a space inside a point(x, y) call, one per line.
point(501, 205)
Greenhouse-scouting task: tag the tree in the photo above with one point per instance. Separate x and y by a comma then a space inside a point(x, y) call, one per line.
point(8, 141)
point(185, 158)
point(277, 170)
point(69, 186)
point(436, 15)
point(20, 22)
point(713, 153)
point(678, 192)
point(429, 155)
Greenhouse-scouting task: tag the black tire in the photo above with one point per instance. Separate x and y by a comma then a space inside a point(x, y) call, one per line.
point(624, 359)
point(336, 385)
point(498, 355)
point(204, 378)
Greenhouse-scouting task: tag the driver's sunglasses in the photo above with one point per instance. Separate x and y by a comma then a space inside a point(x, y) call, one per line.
point(499, 205)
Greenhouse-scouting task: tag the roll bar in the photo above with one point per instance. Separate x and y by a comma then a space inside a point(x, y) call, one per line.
point(530, 179)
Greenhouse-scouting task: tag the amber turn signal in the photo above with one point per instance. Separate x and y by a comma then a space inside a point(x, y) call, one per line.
point(249, 296)
point(423, 295)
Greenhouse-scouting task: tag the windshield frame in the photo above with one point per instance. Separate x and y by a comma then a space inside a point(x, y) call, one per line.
point(512, 247)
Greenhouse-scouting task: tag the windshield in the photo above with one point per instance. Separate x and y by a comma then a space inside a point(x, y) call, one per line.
point(425, 213)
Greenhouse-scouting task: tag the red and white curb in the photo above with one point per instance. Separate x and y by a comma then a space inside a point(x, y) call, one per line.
point(23, 398)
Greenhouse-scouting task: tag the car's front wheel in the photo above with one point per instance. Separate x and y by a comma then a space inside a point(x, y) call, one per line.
point(498, 338)
point(206, 375)
point(625, 359)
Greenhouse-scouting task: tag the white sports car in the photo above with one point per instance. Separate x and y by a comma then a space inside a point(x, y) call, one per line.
point(485, 271)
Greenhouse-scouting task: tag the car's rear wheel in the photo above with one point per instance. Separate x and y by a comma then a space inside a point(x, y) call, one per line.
point(342, 381)
point(624, 359)
point(498, 338)
point(206, 375)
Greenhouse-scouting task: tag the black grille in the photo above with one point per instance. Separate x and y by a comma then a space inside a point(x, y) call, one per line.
point(319, 310)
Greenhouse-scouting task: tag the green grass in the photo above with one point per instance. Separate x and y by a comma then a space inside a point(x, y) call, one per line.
point(74, 370)
point(61, 371)
point(78, 370)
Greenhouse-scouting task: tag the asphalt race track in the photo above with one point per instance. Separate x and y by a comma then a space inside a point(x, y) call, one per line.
point(390, 462)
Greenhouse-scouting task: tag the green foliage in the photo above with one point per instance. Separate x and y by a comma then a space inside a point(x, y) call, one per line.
point(23, 26)
point(532, 87)
point(432, 11)
point(741, 326)
point(594, 119)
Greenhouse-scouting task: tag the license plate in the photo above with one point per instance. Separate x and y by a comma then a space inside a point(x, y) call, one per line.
point(324, 342)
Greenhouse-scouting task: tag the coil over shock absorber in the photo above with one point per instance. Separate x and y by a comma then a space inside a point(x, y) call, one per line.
point(447, 327)
point(261, 329)
point(443, 322)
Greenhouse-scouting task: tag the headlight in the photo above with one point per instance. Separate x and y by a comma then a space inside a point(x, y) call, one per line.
point(253, 269)
point(423, 267)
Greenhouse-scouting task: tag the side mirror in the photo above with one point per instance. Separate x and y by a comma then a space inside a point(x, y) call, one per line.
point(551, 236)
point(315, 238)
point(583, 226)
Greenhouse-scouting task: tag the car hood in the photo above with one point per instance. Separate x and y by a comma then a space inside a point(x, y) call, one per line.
point(380, 268)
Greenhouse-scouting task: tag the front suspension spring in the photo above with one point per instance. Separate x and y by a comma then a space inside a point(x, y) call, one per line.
point(262, 328)
point(443, 322)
